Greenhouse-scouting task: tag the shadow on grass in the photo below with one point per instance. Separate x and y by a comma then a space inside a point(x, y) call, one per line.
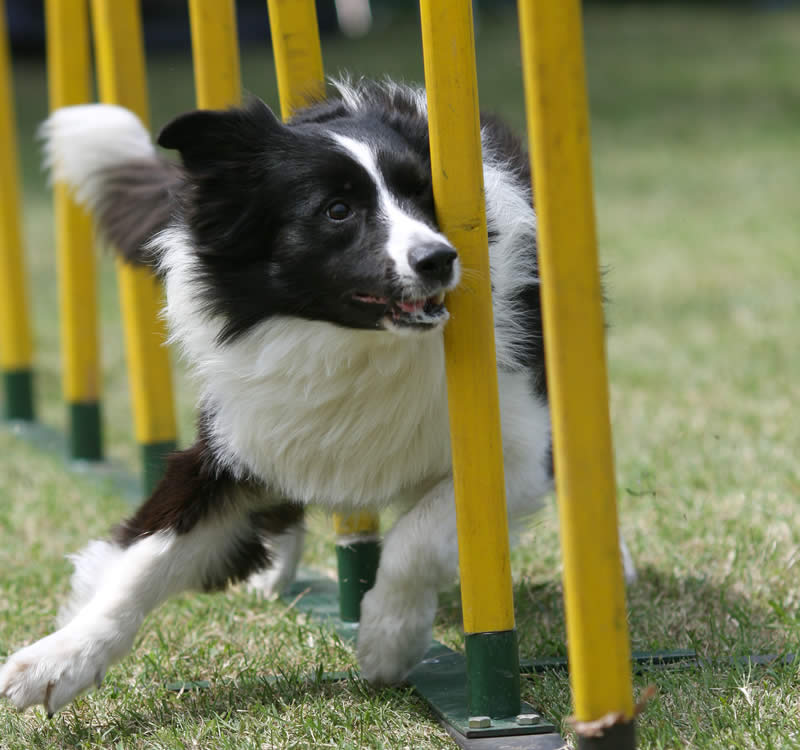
point(719, 620)
point(260, 700)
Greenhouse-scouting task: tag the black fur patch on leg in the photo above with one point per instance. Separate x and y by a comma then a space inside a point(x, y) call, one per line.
point(191, 489)
point(194, 489)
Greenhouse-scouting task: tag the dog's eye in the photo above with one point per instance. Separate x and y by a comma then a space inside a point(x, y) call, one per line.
point(338, 211)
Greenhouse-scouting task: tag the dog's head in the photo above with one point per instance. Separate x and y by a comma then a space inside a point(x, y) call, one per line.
point(328, 218)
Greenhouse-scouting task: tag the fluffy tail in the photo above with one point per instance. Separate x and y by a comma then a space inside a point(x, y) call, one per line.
point(105, 155)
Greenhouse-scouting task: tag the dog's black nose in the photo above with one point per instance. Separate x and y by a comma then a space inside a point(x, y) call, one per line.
point(433, 262)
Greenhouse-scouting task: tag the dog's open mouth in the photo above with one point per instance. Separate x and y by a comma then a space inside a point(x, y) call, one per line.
point(422, 312)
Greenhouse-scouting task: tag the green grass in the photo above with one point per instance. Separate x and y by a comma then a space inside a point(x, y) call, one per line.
point(696, 131)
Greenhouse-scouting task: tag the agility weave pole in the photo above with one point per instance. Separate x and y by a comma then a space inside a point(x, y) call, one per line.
point(119, 51)
point(16, 337)
point(69, 83)
point(457, 171)
point(594, 589)
point(215, 54)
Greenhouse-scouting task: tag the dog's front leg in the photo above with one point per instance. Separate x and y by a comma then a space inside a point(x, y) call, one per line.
point(419, 557)
point(199, 530)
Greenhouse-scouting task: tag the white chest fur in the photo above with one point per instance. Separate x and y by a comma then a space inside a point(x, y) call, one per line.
point(334, 416)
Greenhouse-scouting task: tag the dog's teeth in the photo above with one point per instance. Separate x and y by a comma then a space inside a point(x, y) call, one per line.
point(439, 298)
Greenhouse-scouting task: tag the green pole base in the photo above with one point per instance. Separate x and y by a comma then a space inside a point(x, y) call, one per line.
point(85, 431)
point(154, 463)
point(493, 682)
point(358, 564)
point(619, 737)
point(18, 385)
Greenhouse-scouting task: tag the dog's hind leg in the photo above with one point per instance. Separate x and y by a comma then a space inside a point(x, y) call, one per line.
point(199, 530)
point(285, 551)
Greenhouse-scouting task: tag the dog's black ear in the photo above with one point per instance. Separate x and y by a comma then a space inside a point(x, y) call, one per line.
point(205, 136)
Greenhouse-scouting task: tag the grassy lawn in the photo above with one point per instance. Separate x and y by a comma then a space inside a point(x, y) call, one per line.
point(696, 133)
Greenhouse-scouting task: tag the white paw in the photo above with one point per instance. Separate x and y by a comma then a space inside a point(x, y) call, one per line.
point(285, 551)
point(395, 631)
point(52, 671)
point(269, 583)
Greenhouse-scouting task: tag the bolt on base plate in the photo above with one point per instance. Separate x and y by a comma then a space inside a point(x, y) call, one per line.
point(441, 679)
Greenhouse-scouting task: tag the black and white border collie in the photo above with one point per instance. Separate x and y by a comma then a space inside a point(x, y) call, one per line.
point(305, 277)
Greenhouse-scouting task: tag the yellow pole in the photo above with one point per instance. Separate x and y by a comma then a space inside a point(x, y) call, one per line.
point(16, 344)
point(298, 56)
point(357, 523)
point(119, 50)
point(301, 80)
point(215, 53)
point(457, 168)
point(68, 75)
point(558, 122)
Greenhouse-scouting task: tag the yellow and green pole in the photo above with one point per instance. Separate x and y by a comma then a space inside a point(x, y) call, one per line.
point(358, 553)
point(119, 51)
point(298, 64)
point(558, 125)
point(457, 169)
point(68, 74)
point(16, 338)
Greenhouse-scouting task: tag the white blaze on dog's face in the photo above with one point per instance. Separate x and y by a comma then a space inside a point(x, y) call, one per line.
point(422, 257)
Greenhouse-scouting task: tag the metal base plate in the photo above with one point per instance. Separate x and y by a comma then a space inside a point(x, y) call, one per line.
point(441, 679)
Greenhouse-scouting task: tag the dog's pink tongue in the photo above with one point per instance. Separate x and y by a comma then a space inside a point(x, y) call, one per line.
point(411, 307)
